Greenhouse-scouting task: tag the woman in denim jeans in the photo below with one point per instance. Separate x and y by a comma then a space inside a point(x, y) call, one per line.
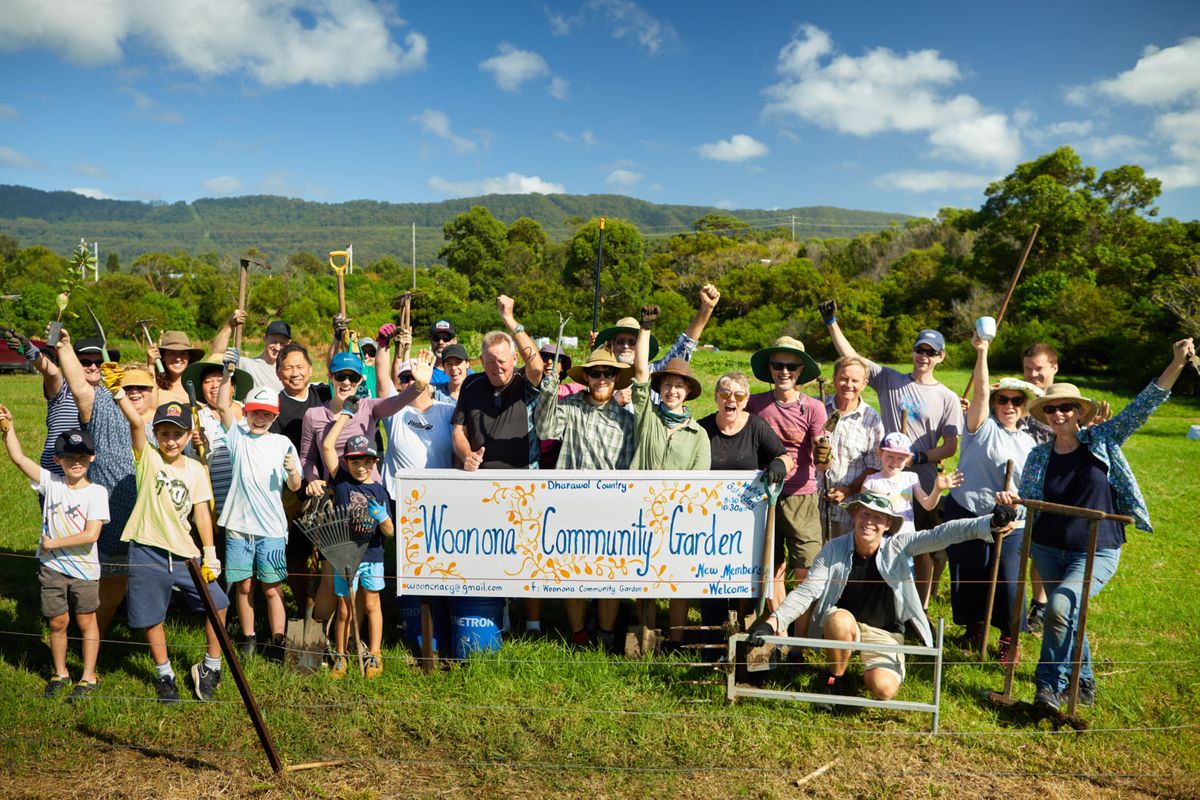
point(1082, 467)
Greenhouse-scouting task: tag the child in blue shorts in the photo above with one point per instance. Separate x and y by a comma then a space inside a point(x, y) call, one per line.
point(170, 487)
point(73, 510)
point(253, 517)
point(353, 486)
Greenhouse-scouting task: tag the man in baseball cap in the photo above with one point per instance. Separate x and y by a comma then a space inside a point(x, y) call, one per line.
point(262, 366)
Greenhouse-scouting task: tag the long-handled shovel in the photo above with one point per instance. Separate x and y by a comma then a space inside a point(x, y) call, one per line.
point(340, 260)
point(991, 597)
point(759, 658)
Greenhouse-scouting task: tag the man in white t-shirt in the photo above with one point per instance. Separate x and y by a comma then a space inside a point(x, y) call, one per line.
point(262, 366)
point(419, 435)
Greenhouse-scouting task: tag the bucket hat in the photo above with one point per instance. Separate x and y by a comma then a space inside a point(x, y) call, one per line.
point(626, 325)
point(195, 372)
point(1060, 393)
point(178, 340)
point(679, 368)
point(603, 357)
point(759, 362)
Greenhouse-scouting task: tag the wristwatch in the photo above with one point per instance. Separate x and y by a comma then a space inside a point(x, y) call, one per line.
point(519, 329)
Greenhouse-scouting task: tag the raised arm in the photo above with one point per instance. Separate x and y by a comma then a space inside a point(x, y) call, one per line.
point(1182, 352)
point(221, 340)
point(52, 379)
point(31, 468)
point(384, 386)
point(709, 295)
point(1134, 415)
point(422, 374)
point(977, 413)
point(329, 453)
point(225, 392)
point(641, 353)
point(137, 427)
point(72, 370)
point(525, 346)
point(828, 309)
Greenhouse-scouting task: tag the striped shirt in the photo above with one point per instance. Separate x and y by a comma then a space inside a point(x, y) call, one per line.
point(61, 416)
point(220, 468)
point(854, 441)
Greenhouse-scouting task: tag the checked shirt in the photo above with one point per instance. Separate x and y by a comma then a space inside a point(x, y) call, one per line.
point(593, 437)
point(854, 441)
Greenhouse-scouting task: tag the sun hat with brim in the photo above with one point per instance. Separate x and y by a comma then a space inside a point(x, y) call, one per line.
point(626, 325)
point(1026, 388)
point(195, 372)
point(603, 357)
point(875, 502)
point(178, 340)
point(137, 376)
point(1061, 393)
point(680, 369)
point(759, 362)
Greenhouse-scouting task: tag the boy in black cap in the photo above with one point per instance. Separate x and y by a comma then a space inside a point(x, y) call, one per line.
point(353, 487)
point(170, 487)
point(73, 510)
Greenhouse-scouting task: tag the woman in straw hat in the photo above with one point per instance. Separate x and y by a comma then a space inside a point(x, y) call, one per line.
point(175, 351)
point(665, 435)
point(1082, 467)
point(993, 437)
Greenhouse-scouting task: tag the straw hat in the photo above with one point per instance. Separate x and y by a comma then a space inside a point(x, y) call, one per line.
point(603, 357)
point(138, 376)
point(680, 369)
point(626, 325)
point(810, 369)
point(178, 340)
point(195, 372)
point(1060, 393)
point(875, 502)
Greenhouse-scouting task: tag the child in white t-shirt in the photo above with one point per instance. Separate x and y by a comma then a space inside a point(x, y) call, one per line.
point(895, 453)
point(255, 523)
point(73, 511)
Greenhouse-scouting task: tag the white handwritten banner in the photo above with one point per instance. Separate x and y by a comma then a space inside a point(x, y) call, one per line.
point(518, 533)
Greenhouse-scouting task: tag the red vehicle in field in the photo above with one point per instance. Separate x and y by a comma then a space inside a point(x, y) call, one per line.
point(12, 361)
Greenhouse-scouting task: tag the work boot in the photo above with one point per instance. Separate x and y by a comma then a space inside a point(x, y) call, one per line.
point(247, 647)
point(835, 686)
point(1009, 649)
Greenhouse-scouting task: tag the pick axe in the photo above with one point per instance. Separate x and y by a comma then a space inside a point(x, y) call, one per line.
point(158, 365)
point(403, 304)
point(100, 333)
point(244, 264)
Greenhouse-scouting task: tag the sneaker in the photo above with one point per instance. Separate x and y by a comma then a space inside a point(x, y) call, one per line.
point(372, 666)
point(338, 670)
point(168, 690)
point(248, 647)
point(56, 686)
point(1037, 613)
point(1047, 698)
point(1087, 694)
point(1010, 651)
point(835, 687)
point(204, 681)
point(82, 690)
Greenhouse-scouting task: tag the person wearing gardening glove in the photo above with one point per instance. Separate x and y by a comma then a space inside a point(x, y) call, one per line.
point(171, 487)
point(262, 368)
point(860, 589)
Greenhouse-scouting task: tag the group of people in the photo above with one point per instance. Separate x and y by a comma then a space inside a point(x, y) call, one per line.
point(137, 458)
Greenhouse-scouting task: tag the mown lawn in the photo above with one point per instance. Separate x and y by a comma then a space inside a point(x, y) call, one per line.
point(539, 718)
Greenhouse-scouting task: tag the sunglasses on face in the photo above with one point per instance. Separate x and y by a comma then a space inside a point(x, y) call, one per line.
point(1065, 408)
point(928, 352)
point(1016, 401)
point(406, 378)
point(343, 377)
point(601, 372)
point(136, 389)
point(783, 366)
point(91, 362)
point(725, 394)
point(440, 337)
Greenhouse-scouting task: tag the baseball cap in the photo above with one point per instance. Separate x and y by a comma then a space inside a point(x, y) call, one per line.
point(442, 326)
point(345, 361)
point(262, 399)
point(360, 446)
point(74, 442)
point(931, 338)
point(280, 327)
point(896, 442)
point(92, 344)
point(368, 343)
point(455, 351)
point(175, 414)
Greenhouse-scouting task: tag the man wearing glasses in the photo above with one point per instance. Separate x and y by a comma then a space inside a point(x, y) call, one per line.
point(931, 415)
point(442, 334)
point(493, 421)
point(798, 421)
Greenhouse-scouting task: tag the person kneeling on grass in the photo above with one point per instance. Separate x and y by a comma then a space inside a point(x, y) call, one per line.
point(73, 509)
point(861, 589)
point(253, 517)
point(170, 486)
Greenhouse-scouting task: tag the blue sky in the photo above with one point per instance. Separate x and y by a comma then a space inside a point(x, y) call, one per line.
point(896, 107)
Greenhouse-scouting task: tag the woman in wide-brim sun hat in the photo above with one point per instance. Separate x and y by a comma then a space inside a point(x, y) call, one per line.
point(176, 352)
point(1083, 467)
point(992, 437)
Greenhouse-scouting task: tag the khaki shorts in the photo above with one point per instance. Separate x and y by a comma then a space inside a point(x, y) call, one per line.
point(60, 592)
point(798, 525)
point(871, 659)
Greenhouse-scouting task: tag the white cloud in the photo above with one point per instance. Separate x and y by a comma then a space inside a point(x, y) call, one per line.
point(911, 180)
point(1160, 76)
point(88, 191)
point(222, 184)
point(560, 25)
point(559, 88)
point(437, 123)
point(281, 43)
point(624, 179)
point(1110, 146)
point(1182, 130)
point(89, 170)
point(512, 183)
point(586, 138)
point(149, 108)
point(8, 112)
point(628, 19)
point(512, 67)
point(11, 158)
point(1070, 128)
point(738, 147)
point(727, 205)
point(883, 91)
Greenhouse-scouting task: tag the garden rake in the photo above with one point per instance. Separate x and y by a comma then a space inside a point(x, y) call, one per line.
point(342, 534)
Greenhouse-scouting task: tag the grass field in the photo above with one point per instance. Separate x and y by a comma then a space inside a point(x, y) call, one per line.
point(539, 719)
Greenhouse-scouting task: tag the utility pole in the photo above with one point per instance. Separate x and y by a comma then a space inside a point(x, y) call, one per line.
point(793, 227)
point(414, 255)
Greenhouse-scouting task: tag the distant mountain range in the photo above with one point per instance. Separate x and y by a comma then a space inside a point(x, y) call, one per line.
point(280, 226)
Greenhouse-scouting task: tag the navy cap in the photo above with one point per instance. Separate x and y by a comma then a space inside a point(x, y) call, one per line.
point(74, 442)
point(931, 338)
point(175, 414)
point(280, 327)
point(360, 446)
